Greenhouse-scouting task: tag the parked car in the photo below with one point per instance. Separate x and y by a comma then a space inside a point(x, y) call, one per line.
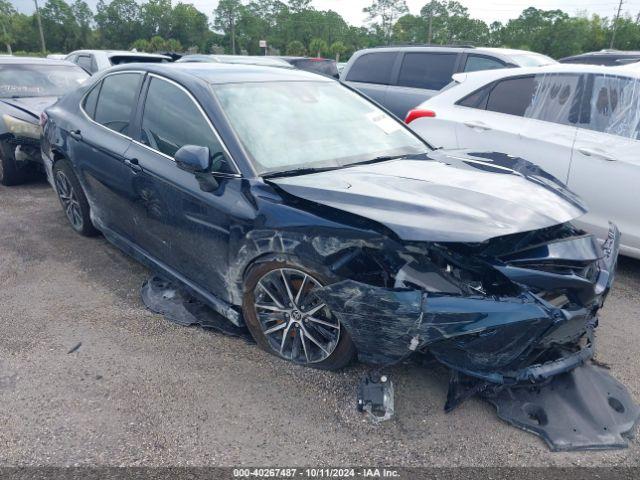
point(27, 86)
point(291, 204)
point(323, 66)
point(580, 123)
point(95, 60)
point(236, 59)
point(608, 58)
point(341, 66)
point(401, 77)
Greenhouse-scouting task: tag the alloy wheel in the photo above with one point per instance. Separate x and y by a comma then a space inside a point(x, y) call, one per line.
point(69, 199)
point(297, 325)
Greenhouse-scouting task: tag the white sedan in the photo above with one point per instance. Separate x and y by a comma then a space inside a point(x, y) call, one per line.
point(580, 123)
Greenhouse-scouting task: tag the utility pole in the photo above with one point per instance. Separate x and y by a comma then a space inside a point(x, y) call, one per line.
point(615, 24)
point(44, 48)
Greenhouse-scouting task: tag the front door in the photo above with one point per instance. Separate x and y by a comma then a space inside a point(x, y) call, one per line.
point(184, 217)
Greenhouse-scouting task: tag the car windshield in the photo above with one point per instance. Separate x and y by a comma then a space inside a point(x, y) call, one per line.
point(288, 126)
point(39, 80)
point(532, 60)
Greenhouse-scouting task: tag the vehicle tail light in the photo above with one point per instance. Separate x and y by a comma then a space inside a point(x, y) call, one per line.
point(43, 119)
point(418, 113)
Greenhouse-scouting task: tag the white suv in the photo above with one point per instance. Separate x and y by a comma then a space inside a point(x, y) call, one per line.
point(580, 123)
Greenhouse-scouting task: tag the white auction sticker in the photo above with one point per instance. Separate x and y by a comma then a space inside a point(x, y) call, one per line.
point(383, 121)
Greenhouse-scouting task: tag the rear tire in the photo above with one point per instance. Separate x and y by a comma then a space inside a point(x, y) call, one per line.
point(72, 198)
point(302, 331)
point(10, 174)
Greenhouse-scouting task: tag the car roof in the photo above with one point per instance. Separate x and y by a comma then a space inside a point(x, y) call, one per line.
point(34, 61)
point(488, 75)
point(606, 53)
point(122, 53)
point(219, 73)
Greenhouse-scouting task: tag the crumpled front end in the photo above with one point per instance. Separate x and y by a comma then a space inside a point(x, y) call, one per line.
point(513, 318)
point(513, 309)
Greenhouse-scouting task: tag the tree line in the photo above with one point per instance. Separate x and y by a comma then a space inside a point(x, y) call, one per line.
point(295, 27)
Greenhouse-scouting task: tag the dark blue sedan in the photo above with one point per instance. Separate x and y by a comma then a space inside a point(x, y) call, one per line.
point(293, 205)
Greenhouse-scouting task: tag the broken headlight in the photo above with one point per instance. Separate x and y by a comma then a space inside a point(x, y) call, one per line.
point(21, 128)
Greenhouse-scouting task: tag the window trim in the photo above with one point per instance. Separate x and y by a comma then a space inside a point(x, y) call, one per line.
point(235, 174)
point(480, 55)
point(142, 73)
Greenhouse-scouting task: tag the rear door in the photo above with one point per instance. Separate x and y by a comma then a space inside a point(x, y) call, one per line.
point(515, 116)
point(605, 169)
point(421, 76)
point(98, 148)
point(372, 73)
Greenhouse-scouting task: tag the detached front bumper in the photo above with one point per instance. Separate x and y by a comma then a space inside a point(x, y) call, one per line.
point(503, 340)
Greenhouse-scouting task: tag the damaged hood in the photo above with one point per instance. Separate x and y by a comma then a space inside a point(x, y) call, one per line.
point(452, 196)
point(32, 106)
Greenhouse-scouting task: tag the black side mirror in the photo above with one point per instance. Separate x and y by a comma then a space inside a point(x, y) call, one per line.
point(193, 158)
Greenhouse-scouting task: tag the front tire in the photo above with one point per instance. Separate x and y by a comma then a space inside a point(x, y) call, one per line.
point(288, 321)
point(10, 174)
point(72, 198)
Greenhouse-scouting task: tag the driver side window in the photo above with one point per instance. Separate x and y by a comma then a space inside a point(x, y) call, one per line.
point(171, 120)
point(117, 98)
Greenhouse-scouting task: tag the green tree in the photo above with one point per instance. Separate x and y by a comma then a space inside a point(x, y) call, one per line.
point(296, 48)
point(119, 23)
point(156, 18)
point(141, 45)
point(189, 26)
point(59, 25)
point(386, 12)
point(337, 49)
point(318, 45)
point(226, 17)
point(7, 13)
point(84, 23)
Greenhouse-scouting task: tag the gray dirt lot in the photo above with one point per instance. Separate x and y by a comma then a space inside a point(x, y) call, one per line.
point(141, 391)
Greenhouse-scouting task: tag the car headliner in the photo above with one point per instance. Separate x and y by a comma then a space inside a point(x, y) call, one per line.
point(220, 73)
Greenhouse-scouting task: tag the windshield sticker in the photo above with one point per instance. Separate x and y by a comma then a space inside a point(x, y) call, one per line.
point(384, 122)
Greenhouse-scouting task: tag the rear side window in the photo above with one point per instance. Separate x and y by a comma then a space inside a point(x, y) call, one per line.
point(116, 101)
point(557, 98)
point(512, 96)
point(85, 62)
point(373, 68)
point(477, 62)
point(477, 99)
point(90, 101)
point(171, 120)
point(613, 106)
point(431, 71)
point(324, 67)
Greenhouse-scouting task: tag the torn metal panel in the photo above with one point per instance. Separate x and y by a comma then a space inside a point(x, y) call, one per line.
point(584, 409)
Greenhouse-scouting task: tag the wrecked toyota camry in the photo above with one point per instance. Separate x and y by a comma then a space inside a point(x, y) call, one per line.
point(296, 207)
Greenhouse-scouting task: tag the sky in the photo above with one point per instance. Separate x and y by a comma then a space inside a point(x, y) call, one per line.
point(501, 10)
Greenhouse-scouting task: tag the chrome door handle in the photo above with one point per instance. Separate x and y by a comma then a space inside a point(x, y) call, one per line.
point(477, 125)
point(133, 164)
point(594, 153)
point(76, 134)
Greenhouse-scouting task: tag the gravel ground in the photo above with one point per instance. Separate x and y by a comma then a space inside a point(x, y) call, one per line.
point(142, 391)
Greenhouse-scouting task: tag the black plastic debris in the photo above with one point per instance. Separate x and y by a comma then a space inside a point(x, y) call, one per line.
point(75, 348)
point(584, 409)
point(375, 396)
point(178, 306)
